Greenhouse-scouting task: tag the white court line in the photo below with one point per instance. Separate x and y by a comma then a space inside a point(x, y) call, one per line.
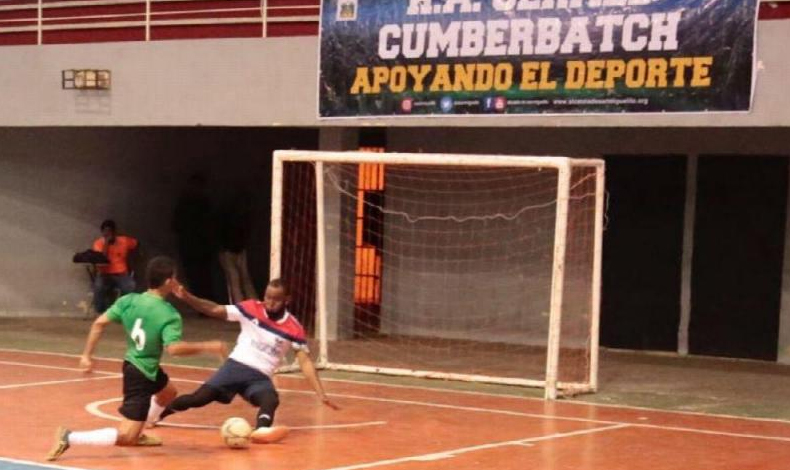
point(58, 382)
point(564, 400)
point(99, 358)
point(559, 418)
point(455, 452)
point(37, 464)
point(94, 409)
point(713, 433)
point(43, 366)
point(450, 390)
point(292, 428)
point(340, 426)
point(105, 375)
point(531, 415)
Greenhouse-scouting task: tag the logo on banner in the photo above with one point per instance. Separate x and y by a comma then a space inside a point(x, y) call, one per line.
point(347, 10)
point(488, 104)
point(446, 104)
point(406, 105)
point(494, 104)
point(500, 103)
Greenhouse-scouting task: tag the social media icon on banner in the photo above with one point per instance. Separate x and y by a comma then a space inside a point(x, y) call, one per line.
point(500, 103)
point(488, 103)
point(446, 104)
point(406, 105)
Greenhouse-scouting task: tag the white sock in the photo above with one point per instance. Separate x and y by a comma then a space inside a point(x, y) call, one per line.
point(98, 437)
point(155, 411)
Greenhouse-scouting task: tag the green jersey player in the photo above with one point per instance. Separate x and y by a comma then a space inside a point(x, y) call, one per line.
point(152, 326)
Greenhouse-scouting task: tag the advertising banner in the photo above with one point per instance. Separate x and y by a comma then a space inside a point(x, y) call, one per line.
point(488, 57)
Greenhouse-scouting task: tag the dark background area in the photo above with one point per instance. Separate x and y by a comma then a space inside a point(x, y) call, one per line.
point(642, 252)
point(739, 239)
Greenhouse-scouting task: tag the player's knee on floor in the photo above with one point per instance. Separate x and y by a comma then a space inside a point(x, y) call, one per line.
point(127, 439)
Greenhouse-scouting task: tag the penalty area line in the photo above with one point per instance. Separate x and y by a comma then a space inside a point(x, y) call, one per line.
point(94, 408)
point(463, 450)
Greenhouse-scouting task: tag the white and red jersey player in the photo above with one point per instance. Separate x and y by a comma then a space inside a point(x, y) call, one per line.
point(263, 342)
point(268, 331)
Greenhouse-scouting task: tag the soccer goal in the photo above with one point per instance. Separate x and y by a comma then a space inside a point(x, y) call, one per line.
point(461, 267)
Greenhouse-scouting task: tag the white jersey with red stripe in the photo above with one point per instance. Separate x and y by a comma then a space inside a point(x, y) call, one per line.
point(263, 342)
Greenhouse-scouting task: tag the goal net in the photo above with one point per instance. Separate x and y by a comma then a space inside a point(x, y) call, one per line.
point(463, 267)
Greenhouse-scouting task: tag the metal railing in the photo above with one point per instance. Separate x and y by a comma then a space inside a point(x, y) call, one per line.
point(22, 19)
point(58, 21)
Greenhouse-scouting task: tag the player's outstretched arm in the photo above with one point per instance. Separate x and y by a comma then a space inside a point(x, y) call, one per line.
point(203, 306)
point(308, 369)
point(190, 348)
point(97, 328)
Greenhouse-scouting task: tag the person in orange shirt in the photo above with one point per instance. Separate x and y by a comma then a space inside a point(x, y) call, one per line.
point(116, 274)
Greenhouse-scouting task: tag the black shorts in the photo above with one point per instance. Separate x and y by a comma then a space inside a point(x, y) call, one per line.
point(236, 378)
point(138, 390)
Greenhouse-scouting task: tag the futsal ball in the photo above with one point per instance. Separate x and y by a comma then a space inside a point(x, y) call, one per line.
point(236, 433)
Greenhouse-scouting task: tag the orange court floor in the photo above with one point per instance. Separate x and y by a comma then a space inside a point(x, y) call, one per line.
point(379, 426)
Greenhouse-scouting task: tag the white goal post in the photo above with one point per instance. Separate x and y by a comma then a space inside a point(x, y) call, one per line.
point(482, 268)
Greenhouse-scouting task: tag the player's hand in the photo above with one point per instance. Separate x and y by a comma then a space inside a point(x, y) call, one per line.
point(327, 402)
point(220, 349)
point(86, 364)
point(179, 290)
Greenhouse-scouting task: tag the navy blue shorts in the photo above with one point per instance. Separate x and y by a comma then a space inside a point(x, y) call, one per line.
point(236, 378)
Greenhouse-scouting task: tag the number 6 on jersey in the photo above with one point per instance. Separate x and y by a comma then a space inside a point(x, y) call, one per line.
point(138, 334)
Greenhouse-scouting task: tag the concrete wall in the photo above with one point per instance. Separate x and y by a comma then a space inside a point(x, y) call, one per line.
point(784, 319)
point(591, 141)
point(57, 185)
point(255, 82)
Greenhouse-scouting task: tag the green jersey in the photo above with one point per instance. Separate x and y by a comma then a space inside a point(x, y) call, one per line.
point(150, 323)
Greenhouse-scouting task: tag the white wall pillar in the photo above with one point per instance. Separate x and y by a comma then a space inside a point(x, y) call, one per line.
point(688, 254)
point(784, 310)
point(339, 139)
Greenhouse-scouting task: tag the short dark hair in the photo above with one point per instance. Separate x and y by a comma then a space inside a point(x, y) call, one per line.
point(109, 223)
point(159, 270)
point(280, 284)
